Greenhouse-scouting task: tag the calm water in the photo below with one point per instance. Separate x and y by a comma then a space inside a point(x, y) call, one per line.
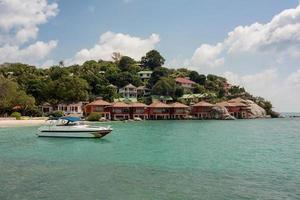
point(250, 159)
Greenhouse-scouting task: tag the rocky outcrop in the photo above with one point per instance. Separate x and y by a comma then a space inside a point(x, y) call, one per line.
point(255, 110)
point(220, 112)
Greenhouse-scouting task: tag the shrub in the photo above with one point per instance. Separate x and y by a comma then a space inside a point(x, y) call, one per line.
point(94, 117)
point(57, 114)
point(17, 115)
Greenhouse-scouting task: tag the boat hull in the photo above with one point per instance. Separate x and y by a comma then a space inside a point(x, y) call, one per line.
point(74, 134)
point(73, 131)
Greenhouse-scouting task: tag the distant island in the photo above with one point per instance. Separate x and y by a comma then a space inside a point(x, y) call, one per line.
point(124, 89)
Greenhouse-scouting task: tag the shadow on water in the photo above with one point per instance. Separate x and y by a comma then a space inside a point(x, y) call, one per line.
point(73, 140)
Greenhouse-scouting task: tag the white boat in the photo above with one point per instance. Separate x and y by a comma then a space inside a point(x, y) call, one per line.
point(72, 127)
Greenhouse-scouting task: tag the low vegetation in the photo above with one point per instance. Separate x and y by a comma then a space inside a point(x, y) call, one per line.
point(16, 115)
point(94, 117)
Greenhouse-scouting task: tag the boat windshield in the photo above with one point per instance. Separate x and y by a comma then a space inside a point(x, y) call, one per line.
point(65, 122)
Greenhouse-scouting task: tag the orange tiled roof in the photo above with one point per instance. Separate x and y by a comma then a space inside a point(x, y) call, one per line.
point(229, 104)
point(158, 105)
point(138, 105)
point(178, 105)
point(120, 105)
point(99, 102)
point(184, 81)
point(203, 104)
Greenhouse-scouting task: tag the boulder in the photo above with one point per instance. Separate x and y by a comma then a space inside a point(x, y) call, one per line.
point(220, 112)
point(255, 110)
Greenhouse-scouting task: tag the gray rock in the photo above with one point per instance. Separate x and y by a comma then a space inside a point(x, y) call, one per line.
point(220, 112)
point(255, 110)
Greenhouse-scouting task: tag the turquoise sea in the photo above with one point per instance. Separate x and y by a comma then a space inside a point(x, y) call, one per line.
point(242, 159)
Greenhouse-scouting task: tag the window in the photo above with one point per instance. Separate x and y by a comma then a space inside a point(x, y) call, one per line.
point(99, 109)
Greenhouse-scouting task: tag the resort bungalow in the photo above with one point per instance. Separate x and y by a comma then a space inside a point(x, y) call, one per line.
point(145, 75)
point(46, 108)
point(159, 110)
point(244, 109)
point(138, 110)
point(129, 91)
point(75, 109)
point(179, 111)
point(120, 111)
point(143, 91)
point(99, 106)
point(201, 110)
point(235, 109)
point(186, 83)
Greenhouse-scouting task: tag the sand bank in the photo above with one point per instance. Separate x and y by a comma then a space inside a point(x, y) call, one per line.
point(15, 123)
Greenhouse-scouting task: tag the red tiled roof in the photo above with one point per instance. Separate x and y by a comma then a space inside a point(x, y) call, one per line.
point(203, 104)
point(120, 105)
point(184, 81)
point(237, 100)
point(224, 104)
point(231, 104)
point(158, 105)
point(99, 102)
point(138, 105)
point(17, 107)
point(129, 86)
point(178, 105)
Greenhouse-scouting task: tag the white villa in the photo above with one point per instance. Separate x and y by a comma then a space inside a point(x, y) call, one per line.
point(186, 83)
point(68, 109)
point(145, 75)
point(129, 91)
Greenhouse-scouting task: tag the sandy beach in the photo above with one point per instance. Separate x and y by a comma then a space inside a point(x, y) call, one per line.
point(29, 122)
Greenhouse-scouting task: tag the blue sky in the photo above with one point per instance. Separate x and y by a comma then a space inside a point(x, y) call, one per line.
point(255, 44)
point(183, 25)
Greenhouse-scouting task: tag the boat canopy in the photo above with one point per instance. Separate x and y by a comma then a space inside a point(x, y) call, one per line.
point(71, 119)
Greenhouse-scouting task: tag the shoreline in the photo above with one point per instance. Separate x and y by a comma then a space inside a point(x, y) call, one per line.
point(4, 123)
point(16, 123)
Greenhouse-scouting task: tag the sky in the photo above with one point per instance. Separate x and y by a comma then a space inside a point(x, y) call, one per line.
point(254, 44)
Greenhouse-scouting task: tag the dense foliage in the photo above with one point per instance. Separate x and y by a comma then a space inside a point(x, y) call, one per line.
point(94, 117)
point(23, 87)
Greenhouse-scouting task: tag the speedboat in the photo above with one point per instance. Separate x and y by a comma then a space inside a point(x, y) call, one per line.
point(72, 127)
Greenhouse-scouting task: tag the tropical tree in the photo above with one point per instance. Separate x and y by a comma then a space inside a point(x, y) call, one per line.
point(125, 63)
point(157, 74)
point(68, 89)
point(57, 72)
point(166, 86)
point(12, 96)
point(116, 56)
point(198, 78)
point(152, 60)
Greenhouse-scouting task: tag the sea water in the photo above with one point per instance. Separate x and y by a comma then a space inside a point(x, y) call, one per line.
point(242, 159)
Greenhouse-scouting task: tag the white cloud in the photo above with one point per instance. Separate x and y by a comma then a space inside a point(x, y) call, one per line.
point(294, 78)
point(255, 83)
point(208, 55)
point(48, 63)
point(19, 21)
point(31, 54)
point(242, 56)
point(267, 83)
point(110, 42)
point(280, 36)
